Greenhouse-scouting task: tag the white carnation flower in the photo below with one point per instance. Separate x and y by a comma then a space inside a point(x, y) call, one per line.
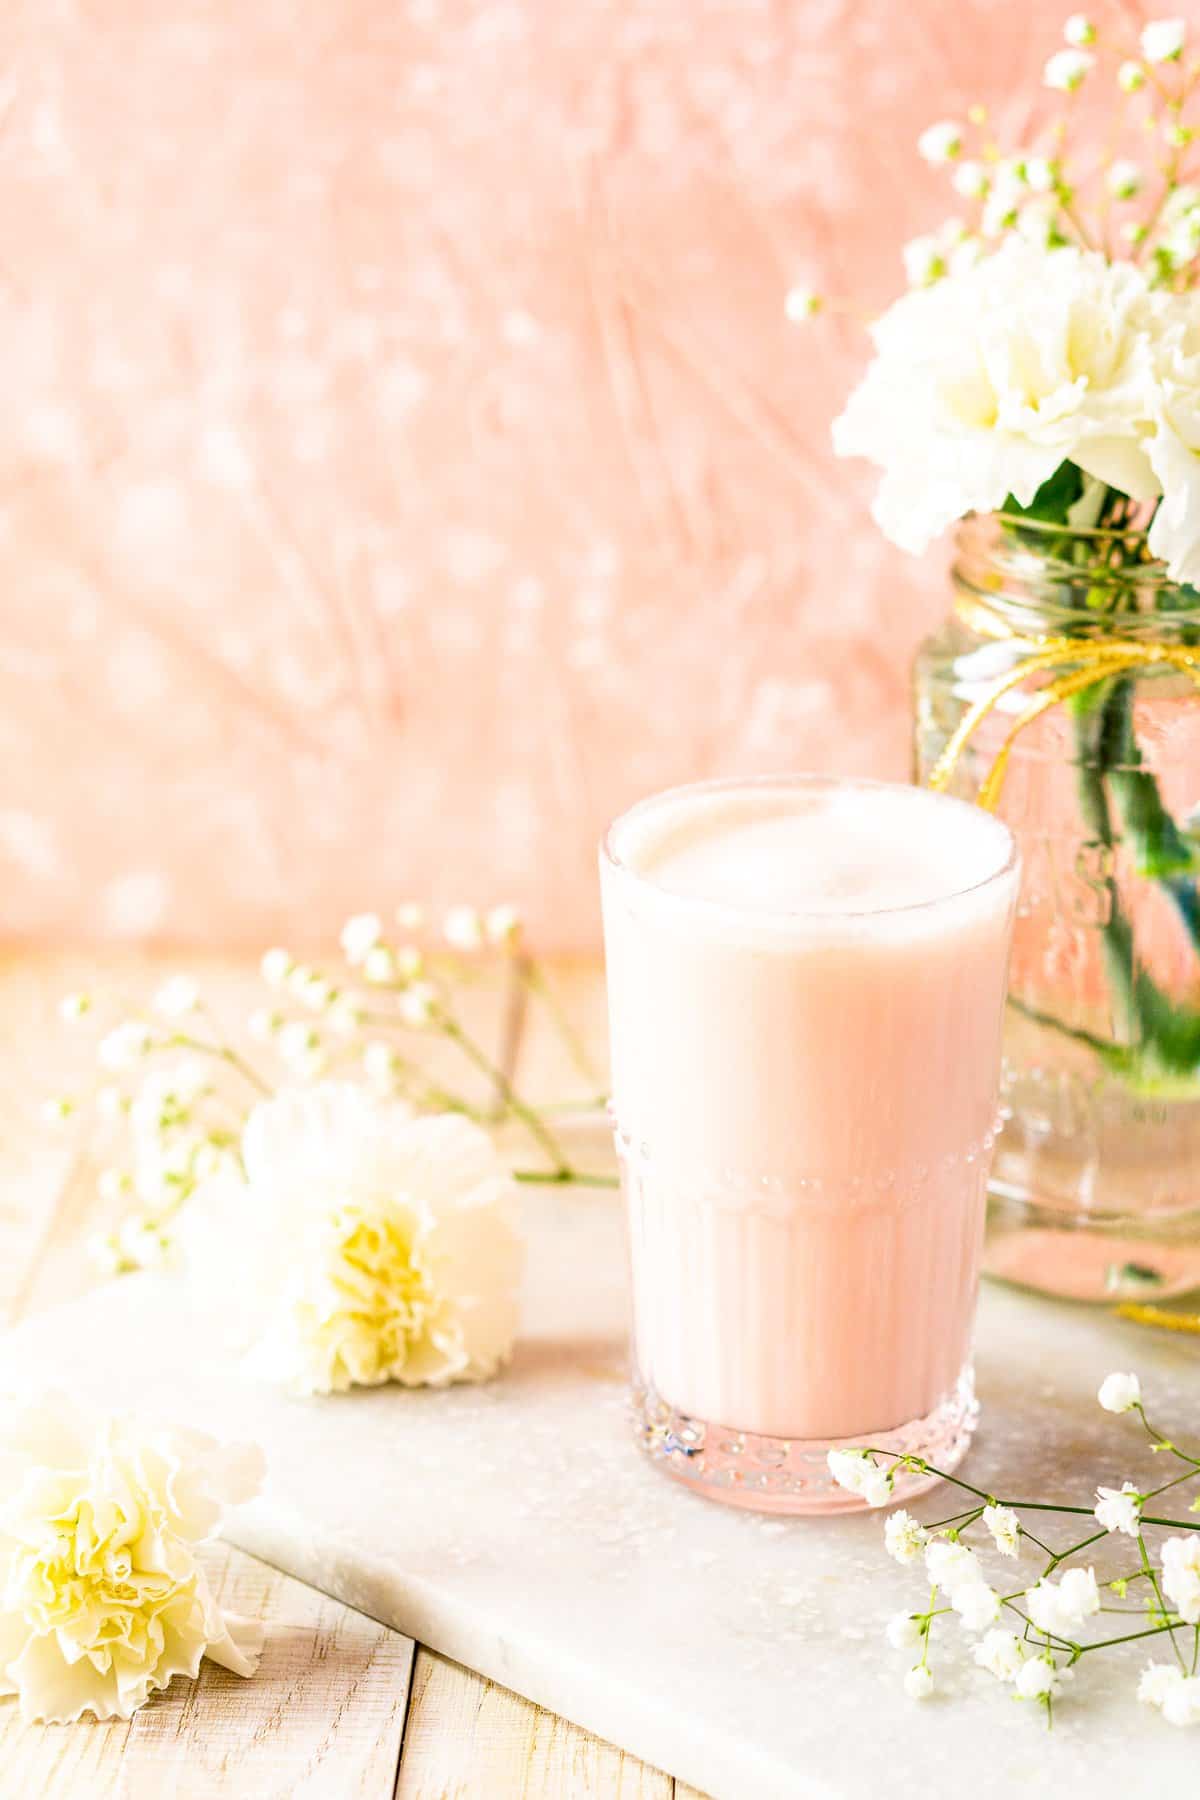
point(373, 1246)
point(1174, 453)
point(983, 383)
point(102, 1599)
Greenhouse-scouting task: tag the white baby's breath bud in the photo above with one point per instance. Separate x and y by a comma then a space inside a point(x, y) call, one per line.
point(1001, 1653)
point(951, 1565)
point(177, 997)
point(1131, 77)
point(263, 1024)
point(410, 915)
point(801, 304)
point(124, 1046)
point(1040, 174)
point(1119, 1392)
point(1000, 213)
point(1037, 222)
point(1119, 1509)
point(104, 1253)
point(379, 1066)
point(143, 1243)
point(317, 992)
point(275, 966)
point(976, 1604)
point(296, 1039)
point(379, 965)
point(1005, 1528)
point(73, 1007)
point(1079, 31)
point(344, 1016)
point(410, 962)
point(965, 255)
point(1162, 40)
point(918, 1683)
point(112, 1184)
point(904, 1537)
point(360, 934)
point(56, 1110)
point(1067, 70)
point(462, 928)
point(941, 143)
point(971, 180)
point(1133, 232)
point(207, 1158)
point(1124, 180)
point(859, 1473)
point(1038, 1679)
point(312, 1064)
point(924, 261)
point(418, 1004)
point(503, 925)
point(1158, 1680)
point(110, 1103)
point(904, 1631)
point(1178, 135)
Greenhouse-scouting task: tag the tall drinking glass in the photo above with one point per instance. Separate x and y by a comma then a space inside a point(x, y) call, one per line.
point(806, 979)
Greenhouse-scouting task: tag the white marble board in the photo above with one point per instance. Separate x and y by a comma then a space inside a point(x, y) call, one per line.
point(516, 1529)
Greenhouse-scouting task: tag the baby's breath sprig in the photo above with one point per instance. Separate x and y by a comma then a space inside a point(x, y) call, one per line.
point(1051, 193)
point(180, 1118)
point(1032, 1637)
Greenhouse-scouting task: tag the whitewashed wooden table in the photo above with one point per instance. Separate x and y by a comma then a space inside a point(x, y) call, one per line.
point(341, 1706)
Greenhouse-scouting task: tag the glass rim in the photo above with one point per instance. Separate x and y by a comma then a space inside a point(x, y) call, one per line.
point(610, 855)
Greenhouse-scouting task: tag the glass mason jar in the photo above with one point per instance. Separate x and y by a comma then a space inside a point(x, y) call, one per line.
point(1095, 1189)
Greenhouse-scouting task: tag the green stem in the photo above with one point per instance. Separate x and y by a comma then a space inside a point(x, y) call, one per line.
point(565, 1178)
point(536, 1127)
point(535, 980)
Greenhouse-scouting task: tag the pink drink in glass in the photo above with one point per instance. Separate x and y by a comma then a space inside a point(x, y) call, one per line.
point(806, 980)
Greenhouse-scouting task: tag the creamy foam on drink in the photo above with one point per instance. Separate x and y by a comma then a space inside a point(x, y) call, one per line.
point(805, 987)
point(822, 850)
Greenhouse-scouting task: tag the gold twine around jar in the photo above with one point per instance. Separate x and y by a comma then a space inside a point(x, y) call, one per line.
point(1093, 659)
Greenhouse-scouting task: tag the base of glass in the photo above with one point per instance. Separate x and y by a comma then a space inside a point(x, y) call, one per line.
point(1080, 1255)
point(791, 1475)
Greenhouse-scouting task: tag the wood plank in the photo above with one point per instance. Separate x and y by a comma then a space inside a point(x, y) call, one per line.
point(468, 1739)
point(322, 1720)
point(325, 1714)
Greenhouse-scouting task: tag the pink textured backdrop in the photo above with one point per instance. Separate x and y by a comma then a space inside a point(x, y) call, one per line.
point(406, 461)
